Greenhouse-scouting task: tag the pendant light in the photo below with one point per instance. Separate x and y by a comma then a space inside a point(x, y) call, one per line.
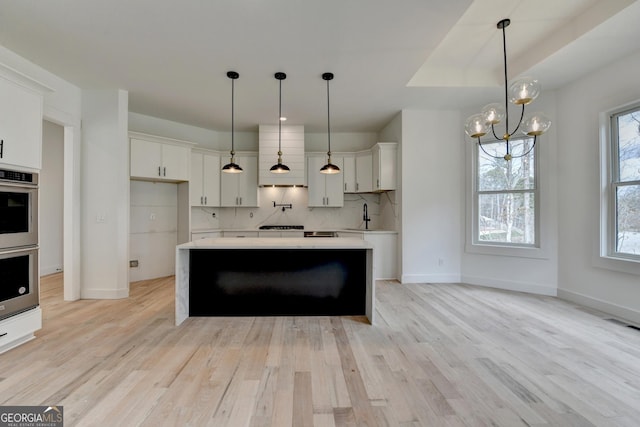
point(232, 167)
point(329, 168)
point(280, 167)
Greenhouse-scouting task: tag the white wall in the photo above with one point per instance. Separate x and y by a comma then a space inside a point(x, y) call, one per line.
point(51, 198)
point(582, 277)
point(105, 194)
point(431, 202)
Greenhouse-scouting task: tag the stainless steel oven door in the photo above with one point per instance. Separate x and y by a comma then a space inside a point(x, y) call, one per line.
point(18, 215)
point(19, 281)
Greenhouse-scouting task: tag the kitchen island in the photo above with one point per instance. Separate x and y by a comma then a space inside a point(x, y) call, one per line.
point(274, 277)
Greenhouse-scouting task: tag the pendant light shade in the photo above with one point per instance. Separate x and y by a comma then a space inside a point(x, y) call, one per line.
point(329, 168)
point(232, 167)
point(280, 167)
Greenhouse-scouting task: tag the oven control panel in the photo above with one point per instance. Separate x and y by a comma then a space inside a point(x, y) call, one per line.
point(15, 176)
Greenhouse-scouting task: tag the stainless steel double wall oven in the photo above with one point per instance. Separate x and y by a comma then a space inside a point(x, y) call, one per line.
point(19, 271)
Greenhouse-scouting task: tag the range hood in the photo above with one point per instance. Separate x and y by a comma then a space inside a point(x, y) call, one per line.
point(292, 142)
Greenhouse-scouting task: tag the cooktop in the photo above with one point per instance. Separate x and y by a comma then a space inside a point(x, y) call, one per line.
point(282, 227)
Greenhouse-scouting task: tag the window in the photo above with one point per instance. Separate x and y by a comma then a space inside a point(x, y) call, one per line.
point(624, 191)
point(506, 195)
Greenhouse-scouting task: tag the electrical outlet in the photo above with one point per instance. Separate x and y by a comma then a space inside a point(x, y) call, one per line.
point(152, 216)
point(133, 263)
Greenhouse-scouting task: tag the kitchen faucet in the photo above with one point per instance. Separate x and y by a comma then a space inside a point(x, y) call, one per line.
point(365, 217)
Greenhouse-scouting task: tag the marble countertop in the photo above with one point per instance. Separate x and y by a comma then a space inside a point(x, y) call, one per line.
point(281, 243)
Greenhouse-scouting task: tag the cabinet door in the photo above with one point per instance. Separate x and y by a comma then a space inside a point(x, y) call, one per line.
point(364, 172)
point(316, 182)
point(146, 159)
point(175, 162)
point(211, 179)
point(229, 183)
point(248, 180)
point(241, 189)
point(20, 126)
point(196, 193)
point(349, 173)
point(334, 186)
point(197, 235)
point(384, 166)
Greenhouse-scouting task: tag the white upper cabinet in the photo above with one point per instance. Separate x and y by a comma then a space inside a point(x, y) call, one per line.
point(155, 158)
point(325, 190)
point(292, 147)
point(384, 166)
point(364, 172)
point(20, 126)
point(349, 172)
point(240, 189)
point(204, 185)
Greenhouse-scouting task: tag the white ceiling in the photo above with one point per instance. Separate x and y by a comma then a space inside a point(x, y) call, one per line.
point(172, 56)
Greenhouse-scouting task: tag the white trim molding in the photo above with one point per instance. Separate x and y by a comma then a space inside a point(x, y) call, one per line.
point(104, 293)
point(430, 278)
point(511, 285)
point(598, 304)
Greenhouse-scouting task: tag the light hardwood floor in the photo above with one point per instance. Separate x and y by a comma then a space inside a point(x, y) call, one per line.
point(440, 355)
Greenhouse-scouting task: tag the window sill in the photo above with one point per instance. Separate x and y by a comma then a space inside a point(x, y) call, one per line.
point(511, 251)
point(622, 265)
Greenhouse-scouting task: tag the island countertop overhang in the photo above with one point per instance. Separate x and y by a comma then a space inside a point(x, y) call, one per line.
point(281, 243)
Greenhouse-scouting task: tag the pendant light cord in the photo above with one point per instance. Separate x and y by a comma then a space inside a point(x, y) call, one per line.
point(232, 115)
point(506, 97)
point(280, 121)
point(328, 121)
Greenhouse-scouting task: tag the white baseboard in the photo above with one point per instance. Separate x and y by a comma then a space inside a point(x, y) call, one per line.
point(45, 271)
point(511, 285)
point(598, 304)
point(430, 278)
point(104, 293)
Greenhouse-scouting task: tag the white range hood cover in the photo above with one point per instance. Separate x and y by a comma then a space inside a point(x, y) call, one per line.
point(292, 142)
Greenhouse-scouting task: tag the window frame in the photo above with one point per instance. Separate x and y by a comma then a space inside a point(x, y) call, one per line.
point(514, 248)
point(610, 176)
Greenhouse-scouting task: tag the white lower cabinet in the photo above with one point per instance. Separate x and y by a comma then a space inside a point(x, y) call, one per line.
point(197, 235)
point(239, 234)
point(384, 251)
point(19, 329)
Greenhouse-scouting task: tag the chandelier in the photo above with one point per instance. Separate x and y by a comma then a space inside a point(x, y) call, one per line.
point(520, 92)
